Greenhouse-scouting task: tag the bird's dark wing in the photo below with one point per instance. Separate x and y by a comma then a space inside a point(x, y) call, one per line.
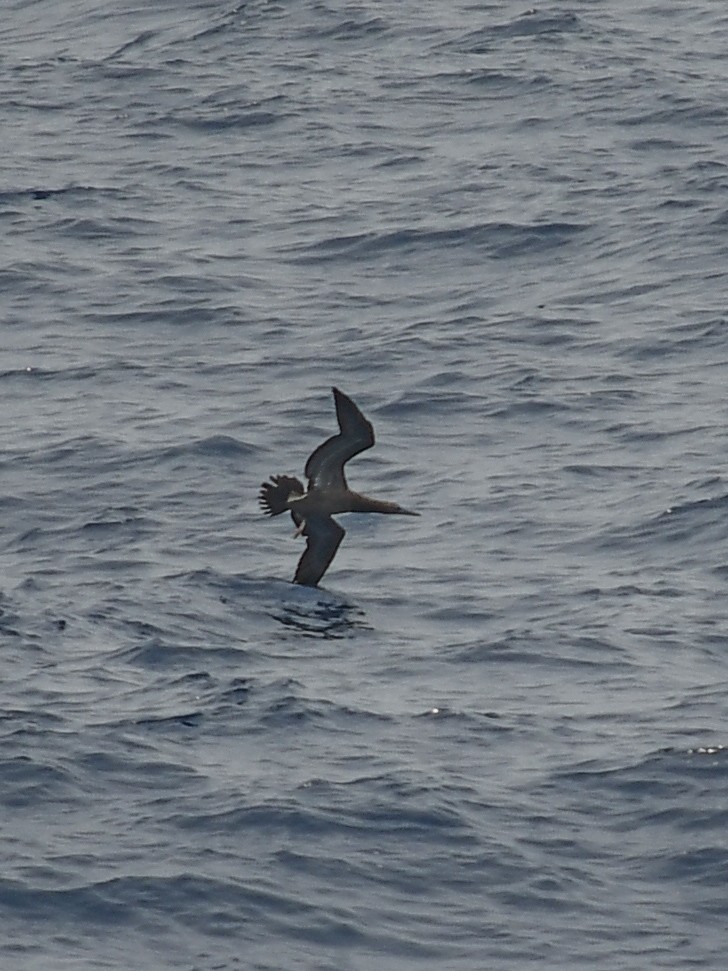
point(323, 537)
point(325, 467)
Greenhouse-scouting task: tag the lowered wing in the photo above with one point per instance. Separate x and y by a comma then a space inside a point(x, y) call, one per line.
point(323, 537)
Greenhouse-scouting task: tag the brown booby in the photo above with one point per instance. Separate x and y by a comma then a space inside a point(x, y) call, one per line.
point(328, 492)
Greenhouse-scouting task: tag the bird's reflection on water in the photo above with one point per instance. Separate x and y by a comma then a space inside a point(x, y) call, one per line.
point(322, 618)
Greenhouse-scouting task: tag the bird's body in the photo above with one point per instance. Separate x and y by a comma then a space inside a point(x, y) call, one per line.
point(328, 493)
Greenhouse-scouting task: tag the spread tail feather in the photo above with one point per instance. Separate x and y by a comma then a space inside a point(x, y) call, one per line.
point(274, 495)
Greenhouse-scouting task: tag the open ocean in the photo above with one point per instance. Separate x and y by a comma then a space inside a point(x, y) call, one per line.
point(496, 738)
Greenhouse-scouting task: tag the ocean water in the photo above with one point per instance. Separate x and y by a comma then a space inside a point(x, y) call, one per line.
point(496, 736)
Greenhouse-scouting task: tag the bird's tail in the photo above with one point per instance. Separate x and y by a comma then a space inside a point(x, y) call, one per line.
point(274, 495)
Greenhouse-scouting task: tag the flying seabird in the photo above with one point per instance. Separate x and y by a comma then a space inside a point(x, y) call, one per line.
point(328, 492)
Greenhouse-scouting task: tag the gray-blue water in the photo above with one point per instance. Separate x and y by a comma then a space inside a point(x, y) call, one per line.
point(494, 738)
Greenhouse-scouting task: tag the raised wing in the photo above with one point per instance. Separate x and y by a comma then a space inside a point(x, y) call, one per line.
point(323, 537)
point(325, 467)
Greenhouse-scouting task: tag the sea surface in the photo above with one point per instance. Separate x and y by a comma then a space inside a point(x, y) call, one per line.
point(496, 737)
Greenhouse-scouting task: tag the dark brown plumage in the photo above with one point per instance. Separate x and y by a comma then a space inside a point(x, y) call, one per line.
point(327, 494)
